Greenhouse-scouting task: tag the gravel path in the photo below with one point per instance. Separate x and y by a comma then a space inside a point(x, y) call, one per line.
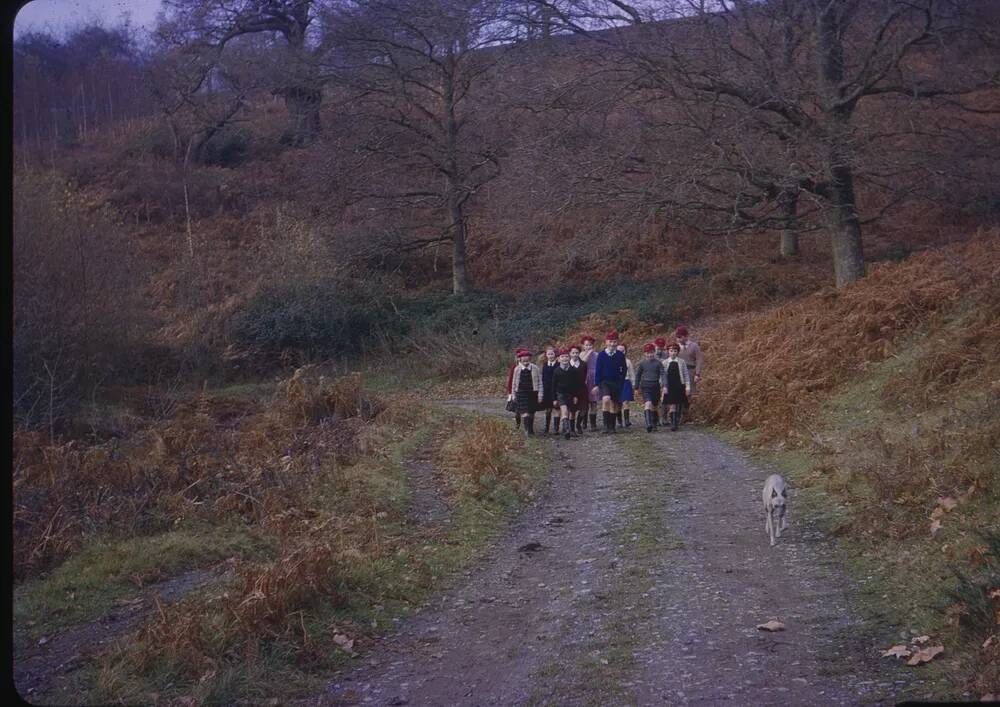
point(639, 577)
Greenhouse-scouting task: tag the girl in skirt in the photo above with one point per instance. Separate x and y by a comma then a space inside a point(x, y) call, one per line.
point(589, 357)
point(526, 389)
point(649, 380)
point(510, 380)
point(548, 392)
point(627, 393)
point(678, 384)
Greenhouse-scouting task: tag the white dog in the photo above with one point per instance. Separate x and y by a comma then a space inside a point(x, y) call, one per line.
point(774, 506)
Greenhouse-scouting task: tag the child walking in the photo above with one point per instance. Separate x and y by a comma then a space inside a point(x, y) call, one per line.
point(627, 393)
point(678, 384)
point(692, 356)
point(526, 389)
point(579, 410)
point(649, 379)
point(609, 378)
point(589, 357)
point(566, 384)
point(548, 392)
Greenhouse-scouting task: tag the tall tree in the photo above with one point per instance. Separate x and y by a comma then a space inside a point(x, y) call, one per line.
point(300, 39)
point(795, 75)
point(420, 68)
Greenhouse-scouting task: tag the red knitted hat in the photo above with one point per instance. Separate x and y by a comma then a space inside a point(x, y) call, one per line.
point(564, 352)
point(587, 337)
point(648, 348)
point(574, 346)
point(661, 342)
point(612, 336)
point(525, 352)
point(681, 331)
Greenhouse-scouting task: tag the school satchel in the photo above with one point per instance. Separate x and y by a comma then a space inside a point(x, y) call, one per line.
point(511, 407)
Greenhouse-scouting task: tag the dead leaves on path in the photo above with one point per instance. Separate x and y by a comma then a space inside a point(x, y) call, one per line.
point(915, 654)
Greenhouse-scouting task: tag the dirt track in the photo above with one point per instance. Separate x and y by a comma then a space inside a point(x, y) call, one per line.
point(638, 578)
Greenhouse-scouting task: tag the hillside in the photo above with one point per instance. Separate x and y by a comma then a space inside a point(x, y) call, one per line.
point(233, 333)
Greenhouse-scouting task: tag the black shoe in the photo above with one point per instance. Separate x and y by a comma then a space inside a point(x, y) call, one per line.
point(618, 419)
point(529, 426)
point(649, 421)
point(579, 425)
point(673, 421)
point(628, 422)
point(566, 428)
point(593, 421)
point(548, 421)
point(517, 422)
point(656, 418)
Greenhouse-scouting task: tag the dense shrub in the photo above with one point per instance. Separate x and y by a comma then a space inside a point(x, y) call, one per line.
point(229, 147)
point(319, 318)
point(77, 304)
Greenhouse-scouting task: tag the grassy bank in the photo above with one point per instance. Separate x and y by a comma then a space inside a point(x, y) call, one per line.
point(324, 549)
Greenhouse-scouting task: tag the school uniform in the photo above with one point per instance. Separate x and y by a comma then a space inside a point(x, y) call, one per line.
point(525, 384)
point(677, 382)
point(693, 359)
point(548, 392)
point(591, 363)
point(649, 379)
point(610, 373)
point(582, 391)
point(565, 385)
point(627, 392)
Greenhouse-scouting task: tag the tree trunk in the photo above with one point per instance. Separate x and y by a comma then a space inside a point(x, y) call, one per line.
point(459, 277)
point(303, 105)
point(789, 234)
point(456, 215)
point(845, 227)
point(845, 232)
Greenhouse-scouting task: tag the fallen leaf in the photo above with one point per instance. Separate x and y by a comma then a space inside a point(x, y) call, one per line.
point(947, 502)
point(344, 642)
point(935, 527)
point(988, 642)
point(924, 655)
point(899, 651)
point(772, 625)
point(921, 639)
point(43, 640)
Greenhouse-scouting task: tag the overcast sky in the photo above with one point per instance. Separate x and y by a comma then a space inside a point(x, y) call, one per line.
point(58, 15)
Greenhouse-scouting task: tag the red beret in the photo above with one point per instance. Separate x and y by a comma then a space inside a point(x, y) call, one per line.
point(574, 346)
point(525, 352)
point(661, 342)
point(681, 331)
point(648, 348)
point(564, 352)
point(612, 336)
point(587, 337)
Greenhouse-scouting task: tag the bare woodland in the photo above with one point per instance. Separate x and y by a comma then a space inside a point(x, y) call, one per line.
point(497, 143)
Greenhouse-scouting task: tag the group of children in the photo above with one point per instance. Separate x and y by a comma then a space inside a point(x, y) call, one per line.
point(572, 382)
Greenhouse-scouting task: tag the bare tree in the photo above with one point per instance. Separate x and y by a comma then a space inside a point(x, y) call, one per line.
point(419, 68)
point(301, 45)
point(792, 76)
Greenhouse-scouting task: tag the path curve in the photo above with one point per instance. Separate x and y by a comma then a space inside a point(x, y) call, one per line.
point(638, 577)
